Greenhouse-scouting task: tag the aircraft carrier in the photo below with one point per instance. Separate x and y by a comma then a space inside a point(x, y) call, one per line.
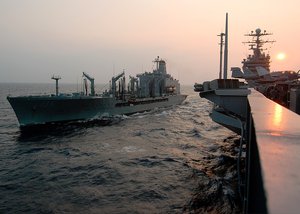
point(144, 92)
point(282, 87)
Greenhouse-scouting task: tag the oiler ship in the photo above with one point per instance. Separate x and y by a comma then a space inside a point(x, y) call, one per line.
point(144, 92)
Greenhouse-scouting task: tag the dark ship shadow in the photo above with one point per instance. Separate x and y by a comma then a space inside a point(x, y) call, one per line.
point(62, 129)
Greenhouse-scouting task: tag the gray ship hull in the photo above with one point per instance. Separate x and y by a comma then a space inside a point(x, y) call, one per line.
point(37, 110)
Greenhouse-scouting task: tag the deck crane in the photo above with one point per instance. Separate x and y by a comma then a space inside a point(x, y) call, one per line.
point(92, 83)
point(56, 78)
point(114, 80)
point(133, 84)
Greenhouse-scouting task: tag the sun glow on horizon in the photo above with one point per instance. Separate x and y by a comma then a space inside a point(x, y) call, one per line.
point(281, 56)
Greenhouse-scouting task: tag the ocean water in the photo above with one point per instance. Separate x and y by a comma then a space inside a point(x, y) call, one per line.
point(170, 160)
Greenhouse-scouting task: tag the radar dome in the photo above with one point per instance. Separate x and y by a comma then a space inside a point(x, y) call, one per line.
point(258, 30)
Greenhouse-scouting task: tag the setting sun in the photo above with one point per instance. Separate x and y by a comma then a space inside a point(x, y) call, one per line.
point(281, 56)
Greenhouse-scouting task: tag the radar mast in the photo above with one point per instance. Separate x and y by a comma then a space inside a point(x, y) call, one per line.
point(259, 58)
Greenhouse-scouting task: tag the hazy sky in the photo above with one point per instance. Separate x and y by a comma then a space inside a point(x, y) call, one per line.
point(39, 38)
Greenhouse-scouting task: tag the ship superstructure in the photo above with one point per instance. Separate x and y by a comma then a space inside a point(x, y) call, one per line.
point(258, 58)
point(144, 92)
point(282, 87)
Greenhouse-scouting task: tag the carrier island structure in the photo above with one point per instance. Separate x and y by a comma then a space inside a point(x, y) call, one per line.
point(144, 92)
point(268, 152)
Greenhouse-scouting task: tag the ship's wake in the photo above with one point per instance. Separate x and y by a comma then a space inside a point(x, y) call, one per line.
point(40, 132)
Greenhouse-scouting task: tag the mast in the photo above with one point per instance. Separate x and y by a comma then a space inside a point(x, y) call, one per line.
point(257, 43)
point(226, 47)
point(56, 78)
point(156, 61)
point(160, 65)
point(221, 54)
